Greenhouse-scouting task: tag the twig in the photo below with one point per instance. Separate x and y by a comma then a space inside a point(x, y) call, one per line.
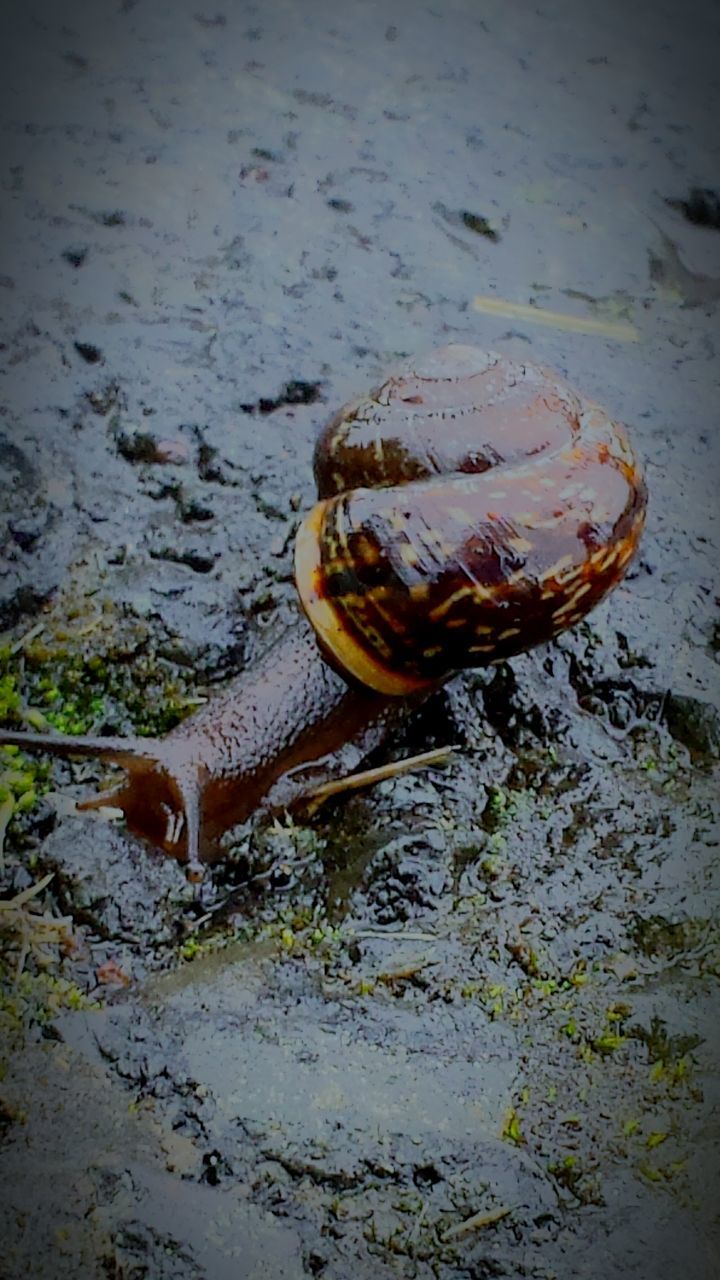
point(34, 931)
point(619, 329)
point(27, 637)
point(368, 777)
point(405, 935)
point(7, 809)
point(478, 1221)
point(11, 904)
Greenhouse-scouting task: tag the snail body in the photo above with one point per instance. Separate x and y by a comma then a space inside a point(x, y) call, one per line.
point(470, 508)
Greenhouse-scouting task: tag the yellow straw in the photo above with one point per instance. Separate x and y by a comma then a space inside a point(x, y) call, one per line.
point(622, 330)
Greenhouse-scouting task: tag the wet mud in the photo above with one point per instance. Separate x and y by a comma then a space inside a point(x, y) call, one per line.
point(464, 1024)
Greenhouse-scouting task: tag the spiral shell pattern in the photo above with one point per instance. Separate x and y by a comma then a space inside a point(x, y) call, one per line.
point(471, 508)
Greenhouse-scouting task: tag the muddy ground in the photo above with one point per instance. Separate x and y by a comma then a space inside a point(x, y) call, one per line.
point(464, 1025)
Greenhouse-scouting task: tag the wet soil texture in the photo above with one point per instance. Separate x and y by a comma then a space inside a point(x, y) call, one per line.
point(463, 1025)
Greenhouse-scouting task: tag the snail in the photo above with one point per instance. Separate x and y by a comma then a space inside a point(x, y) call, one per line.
point(470, 508)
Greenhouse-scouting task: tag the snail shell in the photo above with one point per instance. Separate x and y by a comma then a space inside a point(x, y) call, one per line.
point(471, 507)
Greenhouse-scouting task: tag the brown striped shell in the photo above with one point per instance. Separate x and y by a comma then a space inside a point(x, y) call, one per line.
point(471, 508)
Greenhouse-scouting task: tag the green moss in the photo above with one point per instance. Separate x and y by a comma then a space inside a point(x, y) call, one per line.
point(610, 1042)
point(34, 999)
point(22, 781)
point(99, 674)
point(191, 948)
point(660, 938)
point(10, 700)
point(299, 932)
point(83, 668)
point(669, 1051)
point(670, 1073)
point(569, 1173)
point(304, 931)
point(511, 1130)
point(497, 803)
